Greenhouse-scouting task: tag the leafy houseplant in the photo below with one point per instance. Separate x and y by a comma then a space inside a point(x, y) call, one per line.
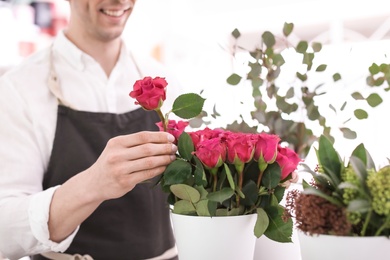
point(345, 198)
point(219, 172)
point(287, 105)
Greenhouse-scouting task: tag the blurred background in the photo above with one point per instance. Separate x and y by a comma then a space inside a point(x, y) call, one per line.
point(193, 39)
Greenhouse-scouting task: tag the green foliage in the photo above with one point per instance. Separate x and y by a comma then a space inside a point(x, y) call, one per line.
point(354, 185)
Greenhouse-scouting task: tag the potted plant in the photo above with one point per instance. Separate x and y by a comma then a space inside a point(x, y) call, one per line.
point(220, 175)
point(345, 209)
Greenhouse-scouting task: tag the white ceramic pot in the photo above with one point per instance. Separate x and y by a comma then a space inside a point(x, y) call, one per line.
point(214, 238)
point(325, 247)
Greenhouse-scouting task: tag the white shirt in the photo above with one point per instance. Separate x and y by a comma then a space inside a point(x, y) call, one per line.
point(28, 115)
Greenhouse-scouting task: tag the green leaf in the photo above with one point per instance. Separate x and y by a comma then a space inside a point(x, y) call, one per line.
point(202, 208)
point(359, 205)
point(305, 184)
point(262, 222)
point(302, 47)
point(278, 60)
point(278, 230)
point(361, 153)
point(229, 176)
point(271, 176)
point(188, 105)
point(221, 195)
point(321, 67)
point(234, 79)
point(199, 174)
point(183, 207)
point(374, 100)
point(302, 77)
point(177, 172)
point(250, 191)
point(287, 28)
point(268, 39)
point(185, 146)
point(317, 46)
point(329, 159)
point(336, 77)
point(357, 96)
point(360, 114)
point(308, 59)
point(374, 69)
point(236, 33)
point(348, 133)
point(359, 168)
point(321, 194)
point(185, 192)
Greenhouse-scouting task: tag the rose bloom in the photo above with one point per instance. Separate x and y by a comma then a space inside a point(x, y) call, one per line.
point(205, 134)
point(212, 153)
point(288, 160)
point(240, 147)
point(149, 93)
point(174, 128)
point(266, 147)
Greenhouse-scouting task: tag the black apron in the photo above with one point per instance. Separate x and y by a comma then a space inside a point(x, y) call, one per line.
point(135, 226)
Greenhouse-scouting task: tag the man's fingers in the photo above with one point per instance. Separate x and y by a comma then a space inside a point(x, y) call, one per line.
point(136, 139)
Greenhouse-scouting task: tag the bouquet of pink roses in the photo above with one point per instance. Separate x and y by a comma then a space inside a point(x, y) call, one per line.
point(219, 172)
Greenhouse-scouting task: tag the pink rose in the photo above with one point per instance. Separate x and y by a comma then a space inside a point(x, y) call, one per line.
point(288, 160)
point(205, 134)
point(149, 93)
point(212, 153)
point(240, 148)
point(174, 128)
point(266, 147)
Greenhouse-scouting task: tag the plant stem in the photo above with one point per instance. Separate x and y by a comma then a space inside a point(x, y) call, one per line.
point(365, 225)
point(215, 182)
point(259, 179)
point(240, 182)
point(163, 121)
point(379, 231)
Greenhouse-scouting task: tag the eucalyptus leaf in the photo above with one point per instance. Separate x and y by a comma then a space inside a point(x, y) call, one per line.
point(234, 79)
point(287, 28)
point(374, 100)
point(360, 114)
point(268, 39)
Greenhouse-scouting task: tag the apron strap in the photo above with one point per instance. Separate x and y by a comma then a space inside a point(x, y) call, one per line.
point(54, 86)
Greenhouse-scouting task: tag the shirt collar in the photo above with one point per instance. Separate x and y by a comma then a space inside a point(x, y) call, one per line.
point(74, 56)
point(68, 51)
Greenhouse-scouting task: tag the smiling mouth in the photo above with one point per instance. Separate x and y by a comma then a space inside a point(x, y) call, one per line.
point(114, 13)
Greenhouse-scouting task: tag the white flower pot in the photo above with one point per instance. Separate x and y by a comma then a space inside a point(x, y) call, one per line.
point(325, 247)
point(214, 238)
